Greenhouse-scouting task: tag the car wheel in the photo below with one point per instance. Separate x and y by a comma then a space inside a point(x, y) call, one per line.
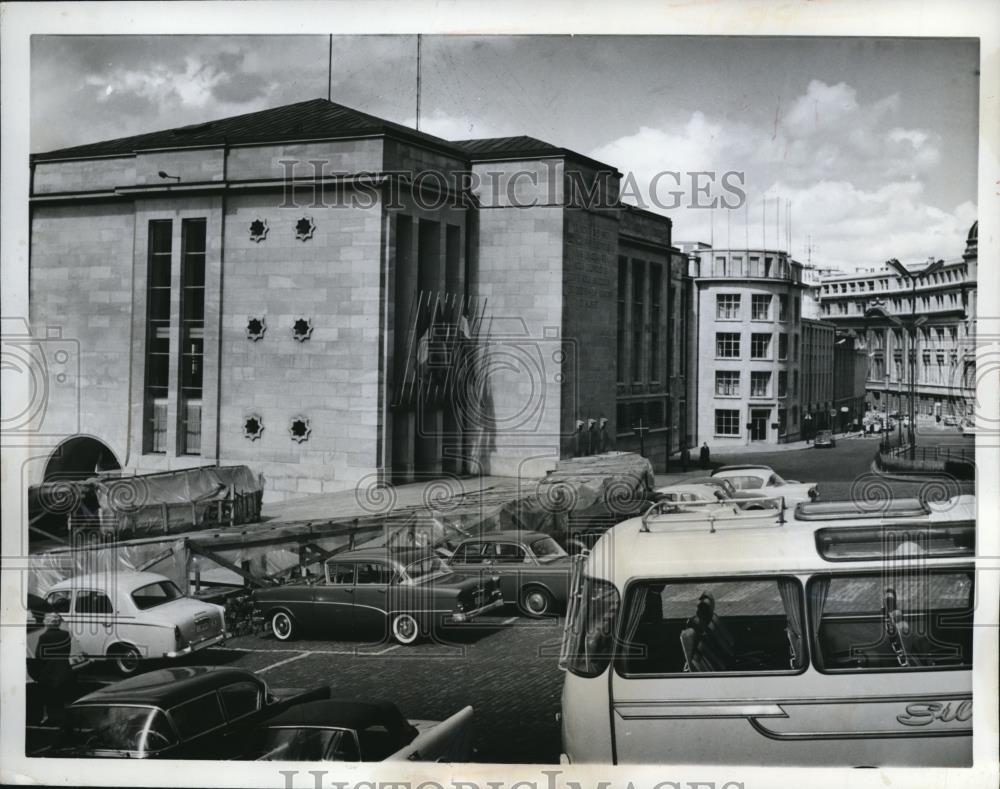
point(126, 659)
point(536, 602)
point(405, 629)
point(282, 626)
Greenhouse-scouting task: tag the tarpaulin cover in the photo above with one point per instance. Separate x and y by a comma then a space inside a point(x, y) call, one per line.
point(167, 557)
point(148, 504)
point(599, 490)
point(178, 501)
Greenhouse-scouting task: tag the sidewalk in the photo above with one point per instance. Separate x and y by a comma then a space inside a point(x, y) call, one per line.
point(759, 447)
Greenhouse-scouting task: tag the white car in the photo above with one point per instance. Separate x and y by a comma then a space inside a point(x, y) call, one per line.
point(128, 616)
point(690, 492)
point(764, 478)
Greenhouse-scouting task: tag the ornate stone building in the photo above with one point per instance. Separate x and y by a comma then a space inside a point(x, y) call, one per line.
point(926, 314)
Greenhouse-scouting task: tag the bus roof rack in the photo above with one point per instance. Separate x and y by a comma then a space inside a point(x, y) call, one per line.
point(857, 510)
point(763, 511)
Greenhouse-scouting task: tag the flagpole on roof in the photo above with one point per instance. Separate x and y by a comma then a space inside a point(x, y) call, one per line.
point(329, 72)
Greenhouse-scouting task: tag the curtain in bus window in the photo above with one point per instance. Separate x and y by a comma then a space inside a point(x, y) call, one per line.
point(789, 591)
point(819, 588)
point(639, 605)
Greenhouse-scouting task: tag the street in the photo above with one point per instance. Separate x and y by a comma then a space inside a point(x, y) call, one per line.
point(506, 666)
point(844, 471)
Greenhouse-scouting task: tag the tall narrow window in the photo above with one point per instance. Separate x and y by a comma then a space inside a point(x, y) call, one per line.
point(638, 288)
point(157, 337)
point(622, 328)
point(655, 283)
point(192, 335)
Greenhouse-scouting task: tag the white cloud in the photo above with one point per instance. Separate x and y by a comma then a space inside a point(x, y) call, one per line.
point(850, 179)
point(452, 127)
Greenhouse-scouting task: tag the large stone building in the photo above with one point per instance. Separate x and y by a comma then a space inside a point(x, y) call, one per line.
point(748, 315)
point(927, 315)
point(334, 299)
point(818, 344)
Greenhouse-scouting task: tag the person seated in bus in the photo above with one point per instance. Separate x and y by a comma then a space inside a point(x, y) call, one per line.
point(700, 651)
point(705, 613)
point(708, 643)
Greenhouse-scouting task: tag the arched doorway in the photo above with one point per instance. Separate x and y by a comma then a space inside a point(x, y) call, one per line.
point(80, 457)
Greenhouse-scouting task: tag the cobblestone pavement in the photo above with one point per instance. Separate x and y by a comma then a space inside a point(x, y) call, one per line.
point(505, 667)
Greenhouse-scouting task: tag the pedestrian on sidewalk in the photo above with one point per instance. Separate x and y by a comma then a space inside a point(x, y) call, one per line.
point(56, 675)
point(685, 457)
point(705, 455)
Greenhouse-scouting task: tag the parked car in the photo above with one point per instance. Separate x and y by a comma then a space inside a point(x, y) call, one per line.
point(763, 478)
point(724, 486)
point(824, 438)
point(704, 494)
point(406, 592)
point(356, 731)
point(532, 567)
point(682, 491)
point(127, 617)
point(182, 712)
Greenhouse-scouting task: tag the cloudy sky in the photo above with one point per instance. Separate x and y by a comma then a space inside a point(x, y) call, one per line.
point(872, 142)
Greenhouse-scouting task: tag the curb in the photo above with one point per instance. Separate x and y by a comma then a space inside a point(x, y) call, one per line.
point(916, 476)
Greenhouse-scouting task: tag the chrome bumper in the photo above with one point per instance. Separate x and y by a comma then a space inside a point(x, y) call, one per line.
point(468, 616)
point(207, 642)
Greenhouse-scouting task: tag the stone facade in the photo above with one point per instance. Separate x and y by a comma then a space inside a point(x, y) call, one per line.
point(879, 310)
point(372, 262)
point(749, 318)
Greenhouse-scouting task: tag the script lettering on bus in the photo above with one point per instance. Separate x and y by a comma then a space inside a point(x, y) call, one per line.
point(922, 713)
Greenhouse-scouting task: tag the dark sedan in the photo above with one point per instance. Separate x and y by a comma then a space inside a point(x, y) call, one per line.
point(824, 438)
point(405, 592)
point(360, 731)
point(534, 570)
point(192, 712)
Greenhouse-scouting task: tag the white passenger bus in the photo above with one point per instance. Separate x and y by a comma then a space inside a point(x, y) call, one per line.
point(833, 635)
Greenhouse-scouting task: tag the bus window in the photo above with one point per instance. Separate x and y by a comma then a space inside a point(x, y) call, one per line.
point(589, 636)
point(883, 621)
point(738, 626)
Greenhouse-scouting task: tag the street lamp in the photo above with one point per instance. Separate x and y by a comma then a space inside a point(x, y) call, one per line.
point(913, 277)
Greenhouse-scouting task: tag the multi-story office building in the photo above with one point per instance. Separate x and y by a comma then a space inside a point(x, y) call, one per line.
point(749, 319)
point(332, 298)
point(817, 397)
point(927, 317)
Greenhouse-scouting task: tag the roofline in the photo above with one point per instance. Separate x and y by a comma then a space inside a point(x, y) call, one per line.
point(549, 152)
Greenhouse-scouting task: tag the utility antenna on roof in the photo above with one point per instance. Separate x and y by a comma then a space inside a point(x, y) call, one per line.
point(329, 72)
point(418, 82)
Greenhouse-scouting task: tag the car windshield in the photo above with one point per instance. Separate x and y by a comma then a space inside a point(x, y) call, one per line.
point(430, 567)
point(547, 549)
point(139, 730)
point(155, 594)
point(307, 744)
